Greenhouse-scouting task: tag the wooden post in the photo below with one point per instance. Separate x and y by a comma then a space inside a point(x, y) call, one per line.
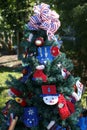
point(13, 124)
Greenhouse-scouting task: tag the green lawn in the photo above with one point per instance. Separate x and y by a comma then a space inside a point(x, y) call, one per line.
point(84, 99)
point(4, 77)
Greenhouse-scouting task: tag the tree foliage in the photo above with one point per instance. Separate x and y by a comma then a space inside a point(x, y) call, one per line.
point(16, 12)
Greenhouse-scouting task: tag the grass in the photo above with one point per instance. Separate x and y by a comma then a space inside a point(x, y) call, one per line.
point(4, 76)
point(84, 100)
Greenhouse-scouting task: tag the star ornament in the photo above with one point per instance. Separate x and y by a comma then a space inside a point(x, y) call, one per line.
point(30, 112)
point(55, 51)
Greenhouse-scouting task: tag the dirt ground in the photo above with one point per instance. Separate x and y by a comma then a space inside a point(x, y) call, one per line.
point(9, 61)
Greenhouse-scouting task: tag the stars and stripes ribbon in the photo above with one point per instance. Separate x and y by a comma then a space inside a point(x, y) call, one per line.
point(45, 19)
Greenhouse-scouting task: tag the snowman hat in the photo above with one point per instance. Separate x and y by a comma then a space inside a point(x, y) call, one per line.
point(49, 90)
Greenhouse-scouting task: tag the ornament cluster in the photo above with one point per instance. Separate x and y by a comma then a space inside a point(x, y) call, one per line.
point(50, 96)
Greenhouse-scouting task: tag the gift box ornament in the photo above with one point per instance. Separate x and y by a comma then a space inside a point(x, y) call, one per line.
point(63, 108)
point(47, 53)
point(30, 117)
point(50, 96)
point(71, 106)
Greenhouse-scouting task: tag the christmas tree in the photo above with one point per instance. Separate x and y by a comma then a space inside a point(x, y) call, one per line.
point(47, 96)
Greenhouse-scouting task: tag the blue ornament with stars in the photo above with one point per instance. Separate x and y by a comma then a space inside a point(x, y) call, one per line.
point(30, 117)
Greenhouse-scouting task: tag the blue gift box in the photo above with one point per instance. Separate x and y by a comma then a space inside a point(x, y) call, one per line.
point(30, 117)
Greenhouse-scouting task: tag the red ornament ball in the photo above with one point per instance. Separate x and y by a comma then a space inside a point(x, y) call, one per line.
point(55, 51)
point(39, 41)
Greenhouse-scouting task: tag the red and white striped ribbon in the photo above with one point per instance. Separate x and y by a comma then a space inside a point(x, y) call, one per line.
point(45, 19)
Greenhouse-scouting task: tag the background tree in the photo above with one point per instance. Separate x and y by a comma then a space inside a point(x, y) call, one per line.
point(15, 13)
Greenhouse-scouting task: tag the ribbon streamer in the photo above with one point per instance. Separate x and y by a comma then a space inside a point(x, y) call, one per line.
point(46, 19)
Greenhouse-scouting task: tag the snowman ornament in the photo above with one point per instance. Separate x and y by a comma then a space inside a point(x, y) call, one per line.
point(50, 97)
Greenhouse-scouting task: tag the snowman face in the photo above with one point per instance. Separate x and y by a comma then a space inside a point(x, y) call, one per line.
point(50, 100)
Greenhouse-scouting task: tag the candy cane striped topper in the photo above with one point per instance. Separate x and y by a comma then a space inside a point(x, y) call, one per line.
point(46, 19)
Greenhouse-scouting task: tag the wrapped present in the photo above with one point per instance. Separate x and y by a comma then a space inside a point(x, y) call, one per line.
point(63, 108)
